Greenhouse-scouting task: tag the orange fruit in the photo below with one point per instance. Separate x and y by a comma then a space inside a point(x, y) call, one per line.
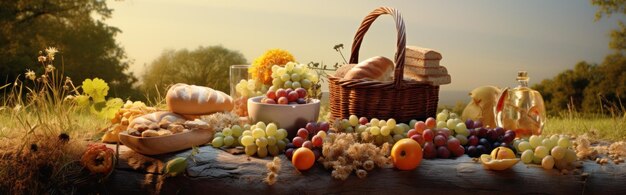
point(502, 153)
point(303, 159)
point(406, 154)
point(501, 158)
point(497, 164)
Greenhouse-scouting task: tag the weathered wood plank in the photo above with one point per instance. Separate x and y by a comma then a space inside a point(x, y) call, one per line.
point(216, 171)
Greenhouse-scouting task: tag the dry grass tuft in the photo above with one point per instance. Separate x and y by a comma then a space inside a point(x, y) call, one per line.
point(43, 133)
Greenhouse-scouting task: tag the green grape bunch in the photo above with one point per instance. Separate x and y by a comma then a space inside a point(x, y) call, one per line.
point(259, 139)
point(293, 75)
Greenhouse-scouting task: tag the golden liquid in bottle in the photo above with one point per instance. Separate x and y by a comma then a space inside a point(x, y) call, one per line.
point(523, 110)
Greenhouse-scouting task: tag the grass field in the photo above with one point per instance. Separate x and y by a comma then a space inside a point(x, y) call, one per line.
point(602, 128)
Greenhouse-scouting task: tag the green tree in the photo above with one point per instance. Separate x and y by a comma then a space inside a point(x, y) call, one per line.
point(568, 89)
point(609, 84)
point(606, 8)
point(76, 27)
point(593, 87)
point(206, 66)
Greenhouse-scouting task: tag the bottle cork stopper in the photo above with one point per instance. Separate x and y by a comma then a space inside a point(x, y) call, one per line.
point(522, 75)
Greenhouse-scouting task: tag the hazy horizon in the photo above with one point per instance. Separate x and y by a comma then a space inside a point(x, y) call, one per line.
point(482, 42)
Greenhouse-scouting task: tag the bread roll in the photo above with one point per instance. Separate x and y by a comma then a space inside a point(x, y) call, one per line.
point(197, 100)
point(376, 68)
point(422, 53)
point(155, 118)
point(343, 69)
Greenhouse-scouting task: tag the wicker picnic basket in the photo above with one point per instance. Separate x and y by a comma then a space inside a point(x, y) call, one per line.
point(400, 99)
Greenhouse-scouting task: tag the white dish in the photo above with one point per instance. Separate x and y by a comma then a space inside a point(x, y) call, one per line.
point(289, 117)
point(166, 144)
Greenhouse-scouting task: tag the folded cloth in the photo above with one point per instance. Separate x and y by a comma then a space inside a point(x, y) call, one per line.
point(408, 61)
point(425, 71)
point(432, 79)
point(422, 53)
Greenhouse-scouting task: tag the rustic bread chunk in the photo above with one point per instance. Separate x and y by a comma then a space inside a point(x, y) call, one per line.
point(422, 53)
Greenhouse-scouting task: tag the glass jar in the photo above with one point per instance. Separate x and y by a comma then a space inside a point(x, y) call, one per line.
point(237, 74)
point(521, 109)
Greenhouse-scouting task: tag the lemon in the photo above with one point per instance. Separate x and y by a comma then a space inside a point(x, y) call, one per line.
point(497, 164)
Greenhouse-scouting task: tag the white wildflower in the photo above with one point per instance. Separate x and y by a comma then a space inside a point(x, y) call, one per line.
point(17, 108)
point(51, 51)
point(41, 58)
point(30, 74)
point(49, 68)
point(44, 78)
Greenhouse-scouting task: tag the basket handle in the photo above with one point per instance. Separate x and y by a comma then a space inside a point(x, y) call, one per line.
point(400, 51)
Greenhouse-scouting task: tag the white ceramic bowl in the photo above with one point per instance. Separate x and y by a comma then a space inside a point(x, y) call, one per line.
point(166, 144)
point(289, 117)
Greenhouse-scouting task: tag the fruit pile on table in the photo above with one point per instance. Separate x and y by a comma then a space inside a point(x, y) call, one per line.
point(357, 144)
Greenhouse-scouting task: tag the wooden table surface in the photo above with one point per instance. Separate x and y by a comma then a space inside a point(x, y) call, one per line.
point(218, 172)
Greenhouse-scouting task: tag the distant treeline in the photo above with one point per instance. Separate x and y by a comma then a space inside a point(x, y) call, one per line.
point(88, 49)
point(593, 88)
point(590, 88)
point(86, 44)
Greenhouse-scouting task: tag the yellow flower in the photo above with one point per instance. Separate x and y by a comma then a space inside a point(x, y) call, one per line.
point(82, 100)
point(261, 69)
point(30, 74)
point(97, 89)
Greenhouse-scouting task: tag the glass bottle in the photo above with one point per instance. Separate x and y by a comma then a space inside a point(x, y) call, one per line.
point(521, 109)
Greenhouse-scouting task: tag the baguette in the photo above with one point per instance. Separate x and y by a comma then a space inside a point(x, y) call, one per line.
point(197, 100)
point(375, 68)
point(422, 53)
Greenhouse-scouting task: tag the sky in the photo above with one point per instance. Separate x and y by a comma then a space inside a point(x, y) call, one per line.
point(482, 42)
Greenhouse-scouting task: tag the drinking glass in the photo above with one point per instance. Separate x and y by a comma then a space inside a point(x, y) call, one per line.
point(237, 74)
